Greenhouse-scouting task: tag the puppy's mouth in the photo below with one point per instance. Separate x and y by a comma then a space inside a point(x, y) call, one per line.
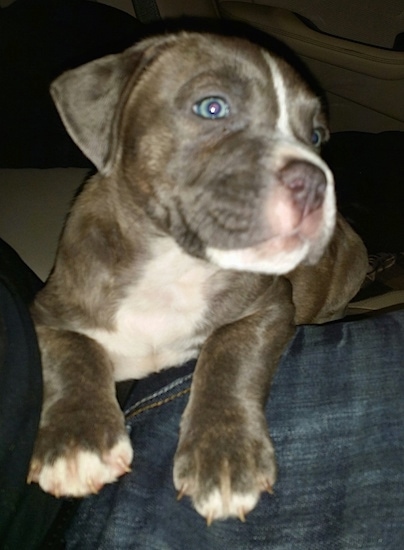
point(297, 220)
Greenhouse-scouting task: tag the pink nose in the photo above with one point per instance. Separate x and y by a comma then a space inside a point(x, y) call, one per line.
point(307, 184)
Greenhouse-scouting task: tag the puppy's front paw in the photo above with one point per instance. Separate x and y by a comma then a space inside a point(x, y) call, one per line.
point(81, 472)
point(224, 473)
point(74, 456)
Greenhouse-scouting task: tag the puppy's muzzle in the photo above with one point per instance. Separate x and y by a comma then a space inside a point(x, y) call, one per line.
point(306, 183)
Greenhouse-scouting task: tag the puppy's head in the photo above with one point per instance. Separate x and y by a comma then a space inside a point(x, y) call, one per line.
point(216, 139)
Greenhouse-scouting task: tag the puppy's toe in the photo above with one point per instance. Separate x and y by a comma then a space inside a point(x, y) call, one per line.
point(214, 506)
point(82, 472)
point(223, 481)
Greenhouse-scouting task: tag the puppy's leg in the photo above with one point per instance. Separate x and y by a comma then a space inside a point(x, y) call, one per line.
point(82, 442)
point(225, 457)
point(333, 281)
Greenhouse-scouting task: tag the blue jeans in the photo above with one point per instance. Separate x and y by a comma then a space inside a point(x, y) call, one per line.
point(336, 417)
point(26, 513)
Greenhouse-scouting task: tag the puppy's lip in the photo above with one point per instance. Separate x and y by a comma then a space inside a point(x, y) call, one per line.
point(280, 244)
point(306, 226)
point(311, 224)
point(307, 230)
point(284, 238)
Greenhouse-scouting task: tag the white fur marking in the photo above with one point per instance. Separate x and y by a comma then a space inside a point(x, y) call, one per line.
point(215, 507)
point(84, 472)
point(155, 324)
point(282, 124)
point(255, 259)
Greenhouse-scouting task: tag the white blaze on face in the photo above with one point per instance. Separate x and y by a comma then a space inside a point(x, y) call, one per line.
point(282, 124)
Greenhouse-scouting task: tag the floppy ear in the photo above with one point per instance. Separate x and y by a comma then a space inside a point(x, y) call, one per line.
point(90, 97)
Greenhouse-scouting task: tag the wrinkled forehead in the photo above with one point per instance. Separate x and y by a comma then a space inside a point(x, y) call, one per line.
point(204, 64)
point(217, 57)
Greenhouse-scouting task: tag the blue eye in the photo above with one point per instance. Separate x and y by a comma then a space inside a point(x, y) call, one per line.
point(211, 107)
point(316, 137)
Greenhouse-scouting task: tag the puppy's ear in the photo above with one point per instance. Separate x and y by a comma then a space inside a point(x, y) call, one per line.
point(89, 98)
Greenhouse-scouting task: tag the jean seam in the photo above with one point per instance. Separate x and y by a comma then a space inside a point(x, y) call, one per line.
point(177, 382)
point(158, 393)
point(150, 406)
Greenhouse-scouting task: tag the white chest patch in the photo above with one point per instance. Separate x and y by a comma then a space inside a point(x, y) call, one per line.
point(159, 323)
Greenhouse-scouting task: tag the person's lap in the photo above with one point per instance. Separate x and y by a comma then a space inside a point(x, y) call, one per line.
point(336, 418)
point(335, 414)
point(26, 513)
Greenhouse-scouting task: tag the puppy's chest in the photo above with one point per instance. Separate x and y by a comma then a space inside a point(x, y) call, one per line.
point(161, 321)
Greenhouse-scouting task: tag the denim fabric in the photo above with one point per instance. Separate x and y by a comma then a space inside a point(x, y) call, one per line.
point(336, 417)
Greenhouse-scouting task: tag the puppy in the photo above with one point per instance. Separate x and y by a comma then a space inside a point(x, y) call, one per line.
point(210, 230)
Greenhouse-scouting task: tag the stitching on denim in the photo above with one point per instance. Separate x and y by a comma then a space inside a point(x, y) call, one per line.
point(133, 413)
point(159, 392)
